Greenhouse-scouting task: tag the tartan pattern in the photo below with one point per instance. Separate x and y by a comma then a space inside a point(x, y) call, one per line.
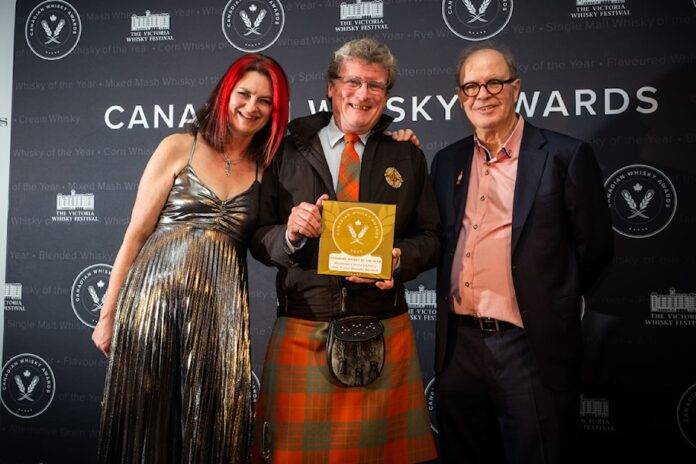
point(348, 185)
point(313, 420)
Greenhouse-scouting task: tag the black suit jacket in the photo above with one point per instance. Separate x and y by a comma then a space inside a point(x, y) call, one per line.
point(561, 241)
point(300, 173)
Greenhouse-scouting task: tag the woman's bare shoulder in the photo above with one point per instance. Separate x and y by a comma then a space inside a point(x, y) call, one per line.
point(174, 151)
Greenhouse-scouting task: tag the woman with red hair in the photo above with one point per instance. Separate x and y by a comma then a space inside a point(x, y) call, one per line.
point(175, 319)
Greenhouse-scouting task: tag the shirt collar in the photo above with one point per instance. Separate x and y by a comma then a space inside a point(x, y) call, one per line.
point(335, 134)
point(511, 147)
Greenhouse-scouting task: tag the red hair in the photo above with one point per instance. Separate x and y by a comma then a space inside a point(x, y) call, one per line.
point(212, 120)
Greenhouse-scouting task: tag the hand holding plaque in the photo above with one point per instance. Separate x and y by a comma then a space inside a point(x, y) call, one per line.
point(357, 239)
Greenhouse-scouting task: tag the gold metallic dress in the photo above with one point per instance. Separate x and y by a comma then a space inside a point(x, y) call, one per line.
point(178, 385)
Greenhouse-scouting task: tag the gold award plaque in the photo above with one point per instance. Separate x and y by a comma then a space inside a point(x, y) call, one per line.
point(357, 239)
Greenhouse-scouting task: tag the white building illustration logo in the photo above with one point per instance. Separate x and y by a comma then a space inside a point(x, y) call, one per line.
point(673, 302)
point(422, 304)
point(27, 385)
point(595, 407)
point(150, 27)
point(13, 297)
point(75, 207)
point(361, 16)
point(672, 309)
point(421, 298)
point(360, 10)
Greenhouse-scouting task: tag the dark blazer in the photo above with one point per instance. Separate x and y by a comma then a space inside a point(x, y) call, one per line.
point(561, 241)
point(300, 173)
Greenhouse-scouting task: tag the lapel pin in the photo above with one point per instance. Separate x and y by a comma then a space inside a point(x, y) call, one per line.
point(393, 177)
point(459, 177)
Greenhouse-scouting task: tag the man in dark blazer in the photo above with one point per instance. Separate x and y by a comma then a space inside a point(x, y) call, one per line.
point(526, 233)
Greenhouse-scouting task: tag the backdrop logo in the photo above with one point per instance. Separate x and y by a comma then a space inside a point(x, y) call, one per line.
point(28, 385)
point(421, 304)
point(642, 200)
point(150, 27)
point(361, 16)
point(53, 29)
point(430, 403)
point(474, 19)
point(589, 9)
point(88, 292)
point(13, 297)
point(252, 25)
point(672, 309)
point(686, 415)
point(594, 415)
point(75, 207)
point(255, 389)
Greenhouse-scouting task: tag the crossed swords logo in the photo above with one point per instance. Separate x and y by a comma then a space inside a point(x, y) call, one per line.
point(52, 35)
point(26, 391)
point(637, 209)
point(252, 28)
point(477, 15)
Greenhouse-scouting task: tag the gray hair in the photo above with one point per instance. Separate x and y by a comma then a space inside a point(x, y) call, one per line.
point(365, 49)
point(487, 45)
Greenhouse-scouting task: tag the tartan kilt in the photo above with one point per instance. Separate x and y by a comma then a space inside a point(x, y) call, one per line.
point(309, 419)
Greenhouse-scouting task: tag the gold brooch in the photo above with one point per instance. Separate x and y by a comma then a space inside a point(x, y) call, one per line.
point(393, 177)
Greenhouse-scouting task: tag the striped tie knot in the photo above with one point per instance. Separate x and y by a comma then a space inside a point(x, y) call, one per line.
point(350, 138)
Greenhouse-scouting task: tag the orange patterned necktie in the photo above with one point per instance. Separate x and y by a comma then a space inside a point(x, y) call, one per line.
point(348, 186)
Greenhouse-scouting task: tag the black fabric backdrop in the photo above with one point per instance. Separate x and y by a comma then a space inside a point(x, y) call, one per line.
point(93, 98)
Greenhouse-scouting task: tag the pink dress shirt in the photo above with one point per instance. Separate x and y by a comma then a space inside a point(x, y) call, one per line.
point(481, 275)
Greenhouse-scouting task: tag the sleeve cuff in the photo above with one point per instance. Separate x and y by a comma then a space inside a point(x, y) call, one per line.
point(293, 248)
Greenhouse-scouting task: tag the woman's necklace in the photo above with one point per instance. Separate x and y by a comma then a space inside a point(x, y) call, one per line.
point(229, 163)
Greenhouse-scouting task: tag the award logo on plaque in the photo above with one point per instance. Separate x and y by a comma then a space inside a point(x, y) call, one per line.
point(357, 239)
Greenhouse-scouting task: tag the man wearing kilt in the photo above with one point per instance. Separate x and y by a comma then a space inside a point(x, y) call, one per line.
point(303, 413)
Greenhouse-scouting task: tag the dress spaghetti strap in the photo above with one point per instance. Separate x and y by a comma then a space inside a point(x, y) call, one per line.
point(193, 148)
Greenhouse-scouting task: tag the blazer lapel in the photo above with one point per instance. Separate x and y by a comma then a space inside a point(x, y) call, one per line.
point(315, 156)
point(460, 182)
point(304, 132)
point(530, 167)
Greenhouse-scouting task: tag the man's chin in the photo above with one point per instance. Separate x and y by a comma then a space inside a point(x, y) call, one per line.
point(358, 127)
point(486, 124)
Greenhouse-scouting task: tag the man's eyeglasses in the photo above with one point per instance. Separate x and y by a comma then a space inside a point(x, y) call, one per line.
point(355, 82)
point(494, 87)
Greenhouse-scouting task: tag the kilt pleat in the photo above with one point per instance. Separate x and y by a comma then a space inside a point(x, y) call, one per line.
point(310, 419)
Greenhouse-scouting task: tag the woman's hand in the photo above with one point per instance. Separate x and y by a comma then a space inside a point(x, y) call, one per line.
point(381, 284)
point(404, 135)
point(102, 335)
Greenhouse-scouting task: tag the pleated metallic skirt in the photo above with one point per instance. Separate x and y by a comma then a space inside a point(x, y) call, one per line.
point(178, 385)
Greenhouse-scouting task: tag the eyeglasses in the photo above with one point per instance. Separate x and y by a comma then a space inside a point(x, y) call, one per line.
point(494, 87)
point(355, 83)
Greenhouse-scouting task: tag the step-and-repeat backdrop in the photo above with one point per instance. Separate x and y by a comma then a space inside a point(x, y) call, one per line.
point(97, 84)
